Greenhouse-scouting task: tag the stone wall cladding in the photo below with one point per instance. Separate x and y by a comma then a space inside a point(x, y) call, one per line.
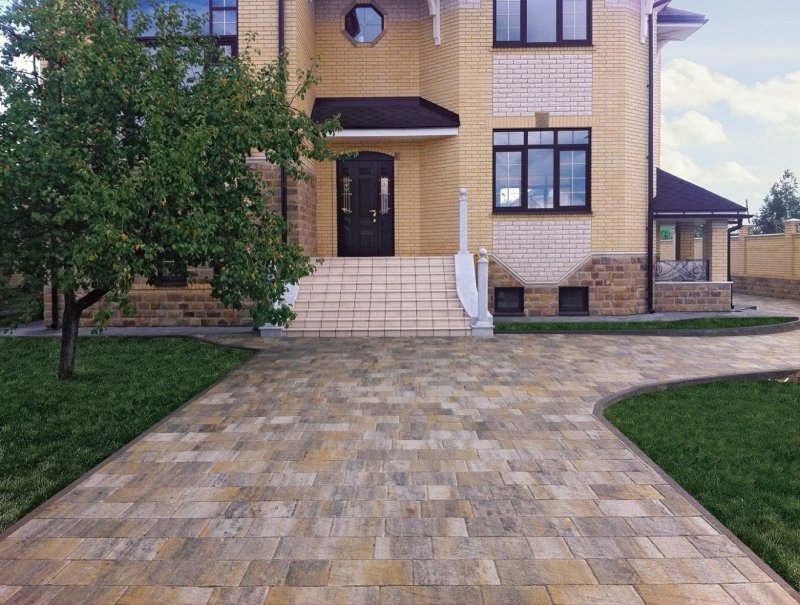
point(559, 84)
point(616, 286)
point(678, 297)
point(542, 251)
point(767, 286)
point(302, 213)
point(191, 306)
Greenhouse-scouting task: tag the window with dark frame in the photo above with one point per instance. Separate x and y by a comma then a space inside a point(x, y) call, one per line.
point(542, 22)
point(509, 301)
point(171, 275)
point(364, 24)
point(573, 301)
point(542, 170)
point(220, 21)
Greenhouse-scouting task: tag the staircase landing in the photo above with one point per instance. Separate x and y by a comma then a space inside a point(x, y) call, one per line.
point(380, 296)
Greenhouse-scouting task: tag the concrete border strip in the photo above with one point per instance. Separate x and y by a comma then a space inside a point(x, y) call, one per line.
point(789, 326)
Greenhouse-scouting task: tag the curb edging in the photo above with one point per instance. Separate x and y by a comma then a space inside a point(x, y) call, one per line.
point(788, 326)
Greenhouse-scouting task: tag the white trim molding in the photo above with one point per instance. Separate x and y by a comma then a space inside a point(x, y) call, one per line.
point(395, 133)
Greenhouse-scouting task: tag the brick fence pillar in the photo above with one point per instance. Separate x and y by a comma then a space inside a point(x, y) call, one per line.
point(791, 230)
point(684, 241)
point(715, 249)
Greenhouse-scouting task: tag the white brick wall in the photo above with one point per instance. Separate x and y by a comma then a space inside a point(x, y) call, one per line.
point(453, 5)
point(541, 252)
point(632, 5)
point(331, 11)
point(559, 84)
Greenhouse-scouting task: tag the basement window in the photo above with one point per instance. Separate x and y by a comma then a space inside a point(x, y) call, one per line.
point(171, 276)
point(573, 301)
point(509, 301)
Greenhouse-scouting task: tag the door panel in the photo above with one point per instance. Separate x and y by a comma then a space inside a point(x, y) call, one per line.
point(365, 224)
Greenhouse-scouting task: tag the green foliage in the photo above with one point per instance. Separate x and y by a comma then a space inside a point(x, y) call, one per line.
point(782, 202)
point(733, 446)
point(116, 157)
point(52, 432)
point(666, 233)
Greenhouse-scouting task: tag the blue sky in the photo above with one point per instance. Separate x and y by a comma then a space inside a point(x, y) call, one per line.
point(731, 97)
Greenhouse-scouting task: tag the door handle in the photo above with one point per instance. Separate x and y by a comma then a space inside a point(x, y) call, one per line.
point(374, 214)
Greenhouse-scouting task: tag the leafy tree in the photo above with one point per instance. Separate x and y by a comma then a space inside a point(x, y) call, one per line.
point(782, 202)
point(116, 157)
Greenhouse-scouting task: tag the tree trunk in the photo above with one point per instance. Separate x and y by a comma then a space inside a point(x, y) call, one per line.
point(70, 323)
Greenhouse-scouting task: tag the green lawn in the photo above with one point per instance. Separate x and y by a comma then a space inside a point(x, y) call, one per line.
point(735, 446)
point(705, 323)
point(52, 432)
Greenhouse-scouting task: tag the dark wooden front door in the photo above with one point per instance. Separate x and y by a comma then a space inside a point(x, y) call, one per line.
point(365, 205)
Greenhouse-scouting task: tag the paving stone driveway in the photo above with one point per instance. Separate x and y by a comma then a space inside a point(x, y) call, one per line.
point(400, 471)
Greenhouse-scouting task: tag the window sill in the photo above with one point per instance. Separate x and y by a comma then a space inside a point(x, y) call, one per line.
point(541, 211)
point(543, 46)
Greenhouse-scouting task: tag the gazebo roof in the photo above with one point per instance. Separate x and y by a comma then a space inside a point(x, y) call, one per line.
point(678, 198)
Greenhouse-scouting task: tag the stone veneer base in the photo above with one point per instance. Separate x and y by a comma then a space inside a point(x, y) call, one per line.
point(616, 286)
point(191, 306)
point(767, 286)
point(677, 297)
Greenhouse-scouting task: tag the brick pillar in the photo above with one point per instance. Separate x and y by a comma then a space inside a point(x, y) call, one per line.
point(684, 241)
point(791, 229)
point(715, 249)
point(744, 237)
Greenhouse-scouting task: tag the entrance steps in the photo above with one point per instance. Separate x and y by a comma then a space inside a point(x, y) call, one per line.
point(380, 296)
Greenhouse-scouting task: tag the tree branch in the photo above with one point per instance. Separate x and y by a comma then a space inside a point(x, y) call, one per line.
point(90, 298)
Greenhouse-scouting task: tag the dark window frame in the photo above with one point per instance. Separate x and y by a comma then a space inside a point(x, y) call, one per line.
point(352, 9)
point(523, 28)
point(572, 312)
point(168, 277)
point(510, 313)
point(219, 40)
point(556, 147)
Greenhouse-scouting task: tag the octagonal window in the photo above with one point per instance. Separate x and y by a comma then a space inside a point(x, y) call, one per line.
point(363, 23)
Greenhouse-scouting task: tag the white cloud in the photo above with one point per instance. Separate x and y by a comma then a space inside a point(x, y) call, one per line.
point(774, 102)
point(689, 85)
point(727, 172)
point(692, 129)
point(734, 172)
point(680, 164)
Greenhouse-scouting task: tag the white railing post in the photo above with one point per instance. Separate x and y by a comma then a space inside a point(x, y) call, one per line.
point(485, 324)
point(483, 286)
point(462, 221)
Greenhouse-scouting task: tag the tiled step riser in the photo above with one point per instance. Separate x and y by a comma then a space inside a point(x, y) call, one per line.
point(341, 333)
point(380, 298)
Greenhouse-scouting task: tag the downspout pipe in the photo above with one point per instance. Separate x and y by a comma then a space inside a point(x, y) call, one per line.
point(736, 227)
point(284, 190)
point(651, 156)
point(650, 160)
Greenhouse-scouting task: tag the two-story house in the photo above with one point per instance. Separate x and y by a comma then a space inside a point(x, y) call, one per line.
point(545, 111)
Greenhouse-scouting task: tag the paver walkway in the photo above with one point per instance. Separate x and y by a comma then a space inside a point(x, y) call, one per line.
point(400, 471)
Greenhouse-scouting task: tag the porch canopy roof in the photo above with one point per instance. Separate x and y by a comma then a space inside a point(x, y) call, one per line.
point(677, 198)
point(386, 116)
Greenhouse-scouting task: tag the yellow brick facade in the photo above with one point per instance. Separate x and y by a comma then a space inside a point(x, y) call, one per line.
point(458, 75)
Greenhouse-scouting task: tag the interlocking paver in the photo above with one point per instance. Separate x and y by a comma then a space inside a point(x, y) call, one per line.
point(400, 471)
